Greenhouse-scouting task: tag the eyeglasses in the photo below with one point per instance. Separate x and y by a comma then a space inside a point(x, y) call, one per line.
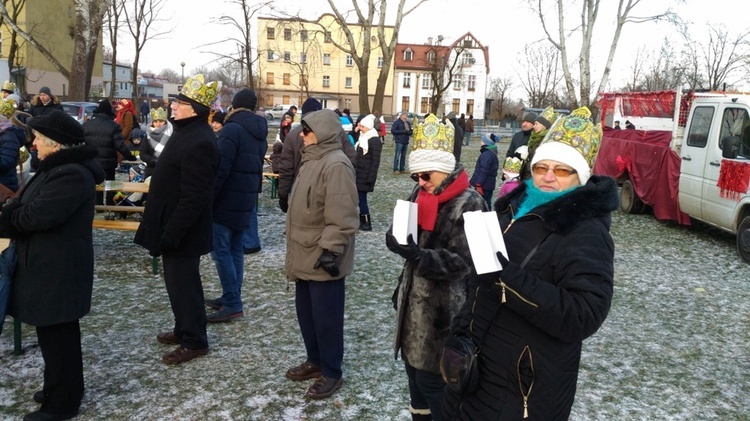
point(425, 176)
point(539, 169)
point(306, 130)
point(178, 102)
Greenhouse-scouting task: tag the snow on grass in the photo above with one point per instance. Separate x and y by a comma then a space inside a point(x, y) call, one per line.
point(675, 345)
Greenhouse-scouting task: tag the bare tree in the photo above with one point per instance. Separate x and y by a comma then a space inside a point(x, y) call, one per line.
point(445, 70)
point(113, 24)
point(360, 49)
point(723, 56)
point(542, 76)
point(170, 75)
point(88, 23)
point(140, 16)
point(499, 91)
point(588, 14)
point(13, 43)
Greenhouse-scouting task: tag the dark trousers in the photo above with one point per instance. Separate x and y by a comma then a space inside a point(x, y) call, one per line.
point(183, 280)
point(426, 391)
point(320, 314)
point(63, 367)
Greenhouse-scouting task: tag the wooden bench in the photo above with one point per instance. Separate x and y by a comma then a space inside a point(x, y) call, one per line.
point(123, 208)
point(273, 177)
point(123, 225)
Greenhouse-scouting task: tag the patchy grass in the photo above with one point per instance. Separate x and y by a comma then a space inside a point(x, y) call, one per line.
point(675, 344)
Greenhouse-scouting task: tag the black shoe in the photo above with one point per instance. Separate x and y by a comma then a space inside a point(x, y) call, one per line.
point(39, 396)
point(46, 416)
point(364, 223)
point(224, 315)
point(252, 250)
point(215, 304)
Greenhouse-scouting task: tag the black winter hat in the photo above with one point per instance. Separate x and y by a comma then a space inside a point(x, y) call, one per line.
point(104, 107)
point(60, 127)
point(310, 105)
point(45, 90)
point(245, 98)
point(218, 117)
point(530, 117)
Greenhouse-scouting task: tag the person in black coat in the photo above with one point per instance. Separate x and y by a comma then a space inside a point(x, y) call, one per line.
point(44, 103)
point(521, 138)
point(242, 146)
point(177, 221)
point(485, 172)
point(366, 166)
point(555, 288)
point(50, 223)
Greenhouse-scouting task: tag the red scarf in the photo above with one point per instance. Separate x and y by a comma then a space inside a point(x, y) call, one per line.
point(428, 202)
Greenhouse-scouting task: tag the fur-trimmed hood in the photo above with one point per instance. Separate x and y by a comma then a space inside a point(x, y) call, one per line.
point(597, 198)
point(36, 102)
point(83, 155)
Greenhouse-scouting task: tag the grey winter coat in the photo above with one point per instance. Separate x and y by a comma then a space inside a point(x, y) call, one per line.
point(432, 291)
point(322, 211)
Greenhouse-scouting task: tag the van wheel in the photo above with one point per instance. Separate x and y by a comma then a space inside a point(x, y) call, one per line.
point(743, 239)
point(629, 200)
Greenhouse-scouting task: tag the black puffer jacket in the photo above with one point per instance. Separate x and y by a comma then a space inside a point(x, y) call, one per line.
point(105, 135)
point(367, 164)
point(537, 318)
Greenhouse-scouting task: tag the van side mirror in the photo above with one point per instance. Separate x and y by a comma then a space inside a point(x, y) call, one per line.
point(730, 146)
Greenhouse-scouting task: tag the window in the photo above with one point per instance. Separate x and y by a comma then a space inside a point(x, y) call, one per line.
point(469, 107)
point(424, 106)
point(431, 56)
point(404, 103)
point(457, 82)
point(287, 34)
point(427, 81)
point(349, 60)
point(327, 59)
point(408, 54)
point(407, 80)
point(327, 37)
point(287, 78)
point(472, 82)
point(285, 99)
point(326, 81)
point(736, 123)
point(380, 62)
point(303, 57)
point(287, 56)
point(456, 105)
point(700, 125)
point(269, 78)
point(270, 33)
point(303, 35)
point(348, 82)
point(467, 59)
point(269, 100)
point(270, 56)
point(303, 80)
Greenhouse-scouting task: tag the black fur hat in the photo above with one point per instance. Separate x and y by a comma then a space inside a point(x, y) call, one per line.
point(60, 127)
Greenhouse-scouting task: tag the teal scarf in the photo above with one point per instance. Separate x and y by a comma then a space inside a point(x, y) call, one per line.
point(536, 197)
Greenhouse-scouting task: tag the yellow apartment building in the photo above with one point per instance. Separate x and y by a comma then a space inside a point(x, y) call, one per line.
point(50, 23)
point(298, 60)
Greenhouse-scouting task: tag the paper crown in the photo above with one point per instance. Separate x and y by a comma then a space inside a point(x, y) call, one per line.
point(577, 131)
point(158, 114)
point(512, 166)
point(199, 91)
point(8, 86)
point(547, 117)
point(7, 107)
point(432, 135)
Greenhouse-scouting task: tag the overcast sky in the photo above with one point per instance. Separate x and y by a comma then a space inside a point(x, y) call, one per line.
point(504, 26)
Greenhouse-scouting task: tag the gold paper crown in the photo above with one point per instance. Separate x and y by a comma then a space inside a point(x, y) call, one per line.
point(512, 165)
point(199, 91)
point(158, 114)
point(431, 135)
point(7, 107)
point(578, 131)
point(549, 115)
point(8, 86)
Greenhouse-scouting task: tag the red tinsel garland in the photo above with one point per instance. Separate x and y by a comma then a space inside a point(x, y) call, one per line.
point(733, 179)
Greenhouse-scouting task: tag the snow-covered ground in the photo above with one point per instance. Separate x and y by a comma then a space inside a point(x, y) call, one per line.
point(676, 344)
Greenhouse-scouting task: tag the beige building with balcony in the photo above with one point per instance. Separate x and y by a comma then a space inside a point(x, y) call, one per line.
point(298, 60)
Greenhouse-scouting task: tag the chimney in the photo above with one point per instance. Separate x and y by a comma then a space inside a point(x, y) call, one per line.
point(429, 40)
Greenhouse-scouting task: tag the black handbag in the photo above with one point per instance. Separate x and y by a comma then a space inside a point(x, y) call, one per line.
point(458, 360)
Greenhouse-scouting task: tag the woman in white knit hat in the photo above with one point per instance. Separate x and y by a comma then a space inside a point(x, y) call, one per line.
point(555, 288)
point(369, 147)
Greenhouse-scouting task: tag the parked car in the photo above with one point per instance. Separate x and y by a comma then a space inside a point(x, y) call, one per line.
point(277, 112)
point(81, 111)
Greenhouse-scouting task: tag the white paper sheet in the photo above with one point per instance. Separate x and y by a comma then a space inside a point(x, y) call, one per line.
point(405, 221)
point(485, 239)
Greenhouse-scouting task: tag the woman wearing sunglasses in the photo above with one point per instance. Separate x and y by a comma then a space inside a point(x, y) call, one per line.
point(433, 285)
point(555, 289)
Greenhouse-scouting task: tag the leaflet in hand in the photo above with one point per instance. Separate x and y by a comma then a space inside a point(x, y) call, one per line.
point(404, 221)
point(485, 239)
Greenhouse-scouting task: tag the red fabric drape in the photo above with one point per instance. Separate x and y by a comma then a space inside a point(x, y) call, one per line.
point(733, 179)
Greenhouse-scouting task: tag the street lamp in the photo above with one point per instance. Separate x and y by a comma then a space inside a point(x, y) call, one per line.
point(183, 72)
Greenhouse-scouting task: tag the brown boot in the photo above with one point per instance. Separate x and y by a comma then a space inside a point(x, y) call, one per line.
point(304, 371)
point(324, 387)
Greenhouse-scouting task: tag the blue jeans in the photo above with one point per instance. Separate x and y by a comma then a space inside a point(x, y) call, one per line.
point(364, 208)
point(230, 260)
point(467, 138)
point(251, 239)
point(488, 197)
point(399, 159)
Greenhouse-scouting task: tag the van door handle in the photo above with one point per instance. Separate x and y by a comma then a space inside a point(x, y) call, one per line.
point(715, 163)
point(687, 158)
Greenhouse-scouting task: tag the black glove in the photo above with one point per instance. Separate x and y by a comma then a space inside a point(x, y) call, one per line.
point(410, 251)
point(284, 203)
point(6, 212)
point(501, 258)
point(168, 244)
point(327, 261)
